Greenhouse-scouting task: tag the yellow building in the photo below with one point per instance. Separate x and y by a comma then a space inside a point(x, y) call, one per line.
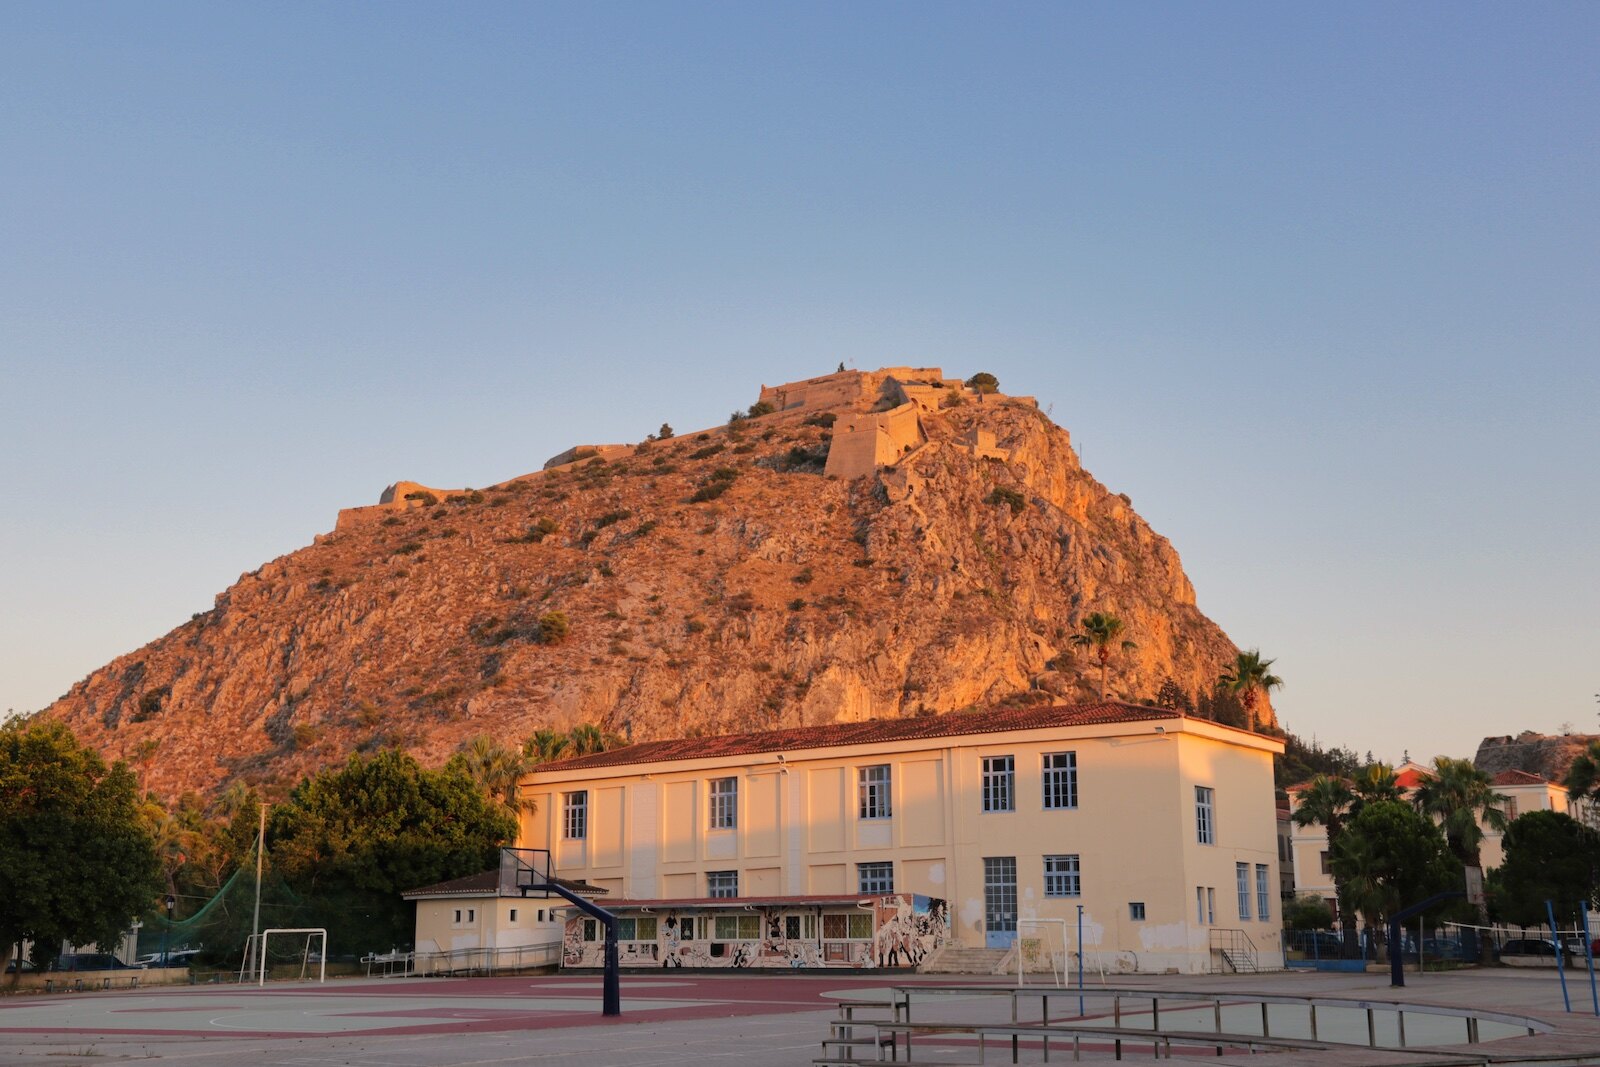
point(1160, 827)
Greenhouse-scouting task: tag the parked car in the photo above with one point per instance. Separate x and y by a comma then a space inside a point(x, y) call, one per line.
point(1441, 948)
point(88, 961)
point(178, 957)
point(1529, 946)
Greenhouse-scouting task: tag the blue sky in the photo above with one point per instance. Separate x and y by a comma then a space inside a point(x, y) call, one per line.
point(1315, 286)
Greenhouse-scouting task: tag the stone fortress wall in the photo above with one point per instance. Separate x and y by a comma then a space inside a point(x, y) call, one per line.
point(879, 423)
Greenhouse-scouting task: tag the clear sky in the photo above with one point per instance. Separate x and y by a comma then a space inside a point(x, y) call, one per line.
point(1317, 285)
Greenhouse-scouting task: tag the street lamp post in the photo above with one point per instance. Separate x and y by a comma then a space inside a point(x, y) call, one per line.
point(172, 902)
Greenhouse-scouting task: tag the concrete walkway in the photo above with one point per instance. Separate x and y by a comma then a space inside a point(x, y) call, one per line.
point(776, 1019)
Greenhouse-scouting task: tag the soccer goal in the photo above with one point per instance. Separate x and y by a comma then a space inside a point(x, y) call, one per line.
point(256, 950)
point(1042, 950)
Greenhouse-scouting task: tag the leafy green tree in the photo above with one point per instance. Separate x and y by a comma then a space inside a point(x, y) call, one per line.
point(1250, 678)
point(1389, 857)
point(351, 839)
point(665, 433)
point(983, 382)
point(1549, 856)
point(1372, 783)
point(1100, 631)
point(1308, 912)
point(76, 861)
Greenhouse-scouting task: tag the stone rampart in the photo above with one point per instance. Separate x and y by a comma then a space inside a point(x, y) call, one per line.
point(581, 452)
point(864, 442)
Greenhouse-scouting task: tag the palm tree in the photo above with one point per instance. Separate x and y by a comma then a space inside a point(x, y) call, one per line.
point(498, 770)
point(1249, 679)
point(1464, 801)
point(1583, 777)
point(545, 745)
point(586, 738)
point(1100, 632)
point(1375, 782)
point(1327, 801)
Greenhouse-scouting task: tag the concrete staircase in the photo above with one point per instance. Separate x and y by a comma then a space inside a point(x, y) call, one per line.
point(960, 959)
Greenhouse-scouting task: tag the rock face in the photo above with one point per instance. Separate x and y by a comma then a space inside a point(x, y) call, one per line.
point(712, 582)
point(1547, 755)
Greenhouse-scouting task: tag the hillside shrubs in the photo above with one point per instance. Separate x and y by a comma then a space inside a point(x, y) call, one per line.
point(1009, 497)
point(721, 479)
point(554, 627)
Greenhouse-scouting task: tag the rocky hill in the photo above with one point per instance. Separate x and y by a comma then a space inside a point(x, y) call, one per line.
point(880, 545)
point(1547, 755)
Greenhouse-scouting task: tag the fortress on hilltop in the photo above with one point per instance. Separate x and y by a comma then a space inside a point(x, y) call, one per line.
point(878, 423)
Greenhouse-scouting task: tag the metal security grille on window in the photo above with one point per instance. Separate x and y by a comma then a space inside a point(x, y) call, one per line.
point(724, 803)
point(1204, 815)
point(722, 883)
point(876, 877)
point(1061, 876)
point(875, 792)
point(575, 815)
point(998, 774)
point(1263, 896)
point(1241, 878)
point(1061, 780)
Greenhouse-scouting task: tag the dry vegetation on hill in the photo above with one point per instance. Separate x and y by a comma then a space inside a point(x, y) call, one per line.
point(707, 583)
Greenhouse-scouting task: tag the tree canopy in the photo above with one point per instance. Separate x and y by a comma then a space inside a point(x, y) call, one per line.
point(351, 839)
point(1390, 856)
point(1549, 856)
point(983, 382)
point(76, 862)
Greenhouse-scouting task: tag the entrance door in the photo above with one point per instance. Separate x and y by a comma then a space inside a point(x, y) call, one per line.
point(999, 901)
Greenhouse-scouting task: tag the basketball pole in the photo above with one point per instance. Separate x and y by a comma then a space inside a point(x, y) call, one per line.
point(261, 846)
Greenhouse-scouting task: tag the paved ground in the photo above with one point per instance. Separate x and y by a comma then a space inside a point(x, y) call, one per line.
point(776, 1019)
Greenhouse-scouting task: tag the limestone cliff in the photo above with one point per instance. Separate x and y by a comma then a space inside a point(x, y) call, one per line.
point(1547, 755)
point(711, 582)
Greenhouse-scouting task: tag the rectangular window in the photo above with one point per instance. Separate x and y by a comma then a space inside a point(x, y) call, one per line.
point(1211, 904)
point(513, 914)
point(1200, 904)
point(722, 883)
point(590, 930)
point(472, 915)
point(541, 914)
point(724, 803)
point(1061, 876)
point(738, 927)
point(791, 927)
point(1205, 816)
point(875, 877)
point(1061, 780)
point(686, 927)
point(1263, 892)
point(646, 928)
point(1241, 883)
point(856, 926)
point(1327, 868)
point(625, 930)
point(1136, 911)
point(834, 927)
point(458, 915)
point(998, 778)
point(1511, 808)
point(575, 815)
point(875, 792)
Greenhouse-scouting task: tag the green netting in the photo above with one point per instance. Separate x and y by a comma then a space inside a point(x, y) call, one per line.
point(219, 928)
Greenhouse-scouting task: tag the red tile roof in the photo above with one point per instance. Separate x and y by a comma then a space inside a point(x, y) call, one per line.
point(1410, 779)
point(1518, 778)
point(874, 731)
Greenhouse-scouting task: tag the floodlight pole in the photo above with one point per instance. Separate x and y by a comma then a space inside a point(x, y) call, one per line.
point(261, 842)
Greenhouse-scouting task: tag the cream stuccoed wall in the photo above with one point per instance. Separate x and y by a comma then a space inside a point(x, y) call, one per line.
point(1134, 830)
point(486, 922)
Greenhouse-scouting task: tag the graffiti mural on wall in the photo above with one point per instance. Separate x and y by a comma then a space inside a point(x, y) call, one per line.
point(899, 930)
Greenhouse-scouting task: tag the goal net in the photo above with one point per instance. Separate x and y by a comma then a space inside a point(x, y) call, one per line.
point(298, 942)
point(1042, 951)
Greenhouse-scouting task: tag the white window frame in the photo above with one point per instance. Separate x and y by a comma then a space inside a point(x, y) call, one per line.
point(1136, 911)
point(575, 815)
point(999, 783)
point(718, 884)
point(1263, 892)
point(1060, 782)
point(879, 880)
point(1064, 872)
point(875, 787)
point(723, 802)
point(1241, 879)
point(1205, 815)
